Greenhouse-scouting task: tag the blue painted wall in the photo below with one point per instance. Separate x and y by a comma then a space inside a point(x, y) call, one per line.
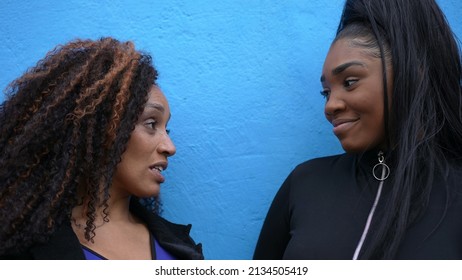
point(242, 79)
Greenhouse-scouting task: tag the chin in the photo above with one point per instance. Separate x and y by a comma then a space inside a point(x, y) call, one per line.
point(349, 148)
point(352, 148)
point(151, 192)
point(154, 193)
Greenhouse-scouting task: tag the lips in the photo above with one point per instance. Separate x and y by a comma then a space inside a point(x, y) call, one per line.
point(157, 169)
point(342, 125)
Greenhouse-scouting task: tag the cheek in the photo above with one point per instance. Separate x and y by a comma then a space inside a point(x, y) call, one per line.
point(137, 154)
point(325, 113)
point(140, 144)
point(377, 124)
point(376, 120)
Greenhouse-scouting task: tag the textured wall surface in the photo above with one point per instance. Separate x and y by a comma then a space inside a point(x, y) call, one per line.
point(242, 79)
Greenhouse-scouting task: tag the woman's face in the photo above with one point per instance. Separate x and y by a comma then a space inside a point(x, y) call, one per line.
point(353, 85)
point(140, 171)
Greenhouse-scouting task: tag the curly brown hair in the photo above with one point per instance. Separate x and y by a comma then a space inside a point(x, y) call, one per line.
point(63, 128)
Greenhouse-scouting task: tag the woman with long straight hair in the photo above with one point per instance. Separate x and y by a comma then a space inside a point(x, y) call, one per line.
point(392, 83)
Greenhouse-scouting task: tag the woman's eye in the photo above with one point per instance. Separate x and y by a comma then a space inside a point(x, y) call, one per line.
point(151, 124)
point(325, 93)
point(349, 82)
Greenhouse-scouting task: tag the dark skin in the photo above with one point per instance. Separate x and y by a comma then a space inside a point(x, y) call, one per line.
point(353, 87)
point(139, 173)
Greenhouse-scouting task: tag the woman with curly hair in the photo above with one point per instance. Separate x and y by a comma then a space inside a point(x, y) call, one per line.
point(83, 144)
point(392, 83)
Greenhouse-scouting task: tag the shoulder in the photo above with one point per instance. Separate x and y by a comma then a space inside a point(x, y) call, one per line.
point(16, 255)
point(452, 183)
point(172, 236)
point(323, 165)
point(63, 244)
point(181, 231)
point(320, 174)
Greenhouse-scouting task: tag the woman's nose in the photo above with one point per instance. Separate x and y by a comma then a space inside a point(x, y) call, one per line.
point(166, 145)
point(334, 104)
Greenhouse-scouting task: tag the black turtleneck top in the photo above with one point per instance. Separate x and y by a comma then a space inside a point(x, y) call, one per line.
point(321, 210)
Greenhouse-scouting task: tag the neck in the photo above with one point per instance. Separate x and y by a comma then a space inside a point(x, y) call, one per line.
point(117, 210)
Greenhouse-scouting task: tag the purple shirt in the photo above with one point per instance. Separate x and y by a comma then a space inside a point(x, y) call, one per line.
point(161, 253)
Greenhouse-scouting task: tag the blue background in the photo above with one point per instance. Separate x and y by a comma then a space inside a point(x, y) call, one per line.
point(242, 79)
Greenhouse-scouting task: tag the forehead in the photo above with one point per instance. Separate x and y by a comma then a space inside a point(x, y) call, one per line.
point(156, 95)
point(343, 53)
point(156, 102)
point(344, 50)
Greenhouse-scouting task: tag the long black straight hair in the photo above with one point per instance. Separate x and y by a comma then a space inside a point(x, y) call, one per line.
point(423, 123)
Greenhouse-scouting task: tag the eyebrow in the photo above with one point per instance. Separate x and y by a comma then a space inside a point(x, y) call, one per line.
point(342, 67)
point(156, 106)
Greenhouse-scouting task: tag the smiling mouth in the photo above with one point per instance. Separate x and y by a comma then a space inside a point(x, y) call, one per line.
point(341, 126)
point(338, 122)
